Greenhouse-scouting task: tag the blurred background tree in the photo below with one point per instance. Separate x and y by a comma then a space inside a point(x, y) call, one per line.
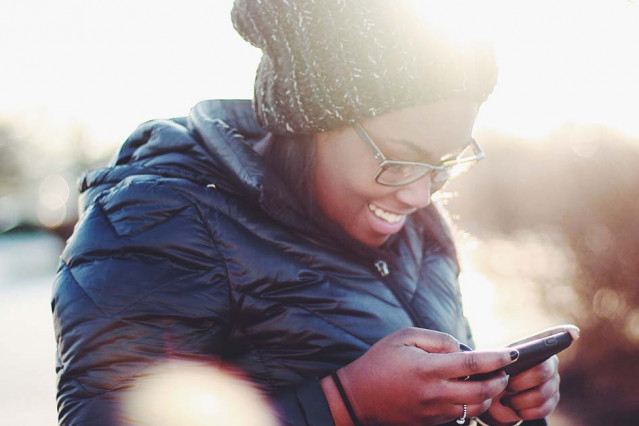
point(11, 175)
point(9, 167)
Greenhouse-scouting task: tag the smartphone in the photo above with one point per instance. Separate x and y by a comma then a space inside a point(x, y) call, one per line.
point(533, 352)
point(537, 351)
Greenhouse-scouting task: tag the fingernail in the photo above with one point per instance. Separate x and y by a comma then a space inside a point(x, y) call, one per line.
point(514, 354)
point(464, 348)
point(577, 331)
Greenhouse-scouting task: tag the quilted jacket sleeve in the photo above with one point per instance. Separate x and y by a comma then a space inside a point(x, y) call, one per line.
point(140, 281)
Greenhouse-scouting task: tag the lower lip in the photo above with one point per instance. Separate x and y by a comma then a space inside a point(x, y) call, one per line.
point(380, 226)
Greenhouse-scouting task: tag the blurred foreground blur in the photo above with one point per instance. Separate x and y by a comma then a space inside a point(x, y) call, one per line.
point(194, 394)
point(548, 235)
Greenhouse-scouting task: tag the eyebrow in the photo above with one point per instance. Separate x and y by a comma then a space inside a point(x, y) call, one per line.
point(412, 145)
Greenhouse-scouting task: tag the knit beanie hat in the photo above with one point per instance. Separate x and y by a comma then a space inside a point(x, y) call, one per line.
point(329, 63)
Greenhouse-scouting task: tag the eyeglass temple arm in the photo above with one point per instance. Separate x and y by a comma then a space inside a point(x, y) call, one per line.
point(369, 142)
point(479, 155)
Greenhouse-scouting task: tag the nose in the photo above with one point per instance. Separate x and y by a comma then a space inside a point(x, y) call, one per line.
point(416, 194)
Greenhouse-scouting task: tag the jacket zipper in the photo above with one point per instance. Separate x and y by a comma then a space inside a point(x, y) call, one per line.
point(382, 268)
point(384, 272)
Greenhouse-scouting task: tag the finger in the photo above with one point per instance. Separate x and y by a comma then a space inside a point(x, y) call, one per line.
point(476, 392)
point(463, 364)
point(428, 340)
point(541, 411)
point(572, 329)
point(534, 376)
point(476, 410)
point(497, 410)
point(533, 398)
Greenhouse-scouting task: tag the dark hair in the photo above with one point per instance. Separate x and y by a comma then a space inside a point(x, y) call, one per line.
point(293, 159)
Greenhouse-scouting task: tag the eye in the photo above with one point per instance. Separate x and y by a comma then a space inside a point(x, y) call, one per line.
point(400, 171)
point(400, 150)
point(400, 155)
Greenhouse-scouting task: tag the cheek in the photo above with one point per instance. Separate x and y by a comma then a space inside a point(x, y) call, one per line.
point(349, 178)
point(360, 188)
point(343, 194)
point(344, 181)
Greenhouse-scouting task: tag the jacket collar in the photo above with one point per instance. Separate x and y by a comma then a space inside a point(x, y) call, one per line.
point(228, 130)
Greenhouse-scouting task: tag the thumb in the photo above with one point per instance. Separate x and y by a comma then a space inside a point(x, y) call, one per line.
point(428, 340)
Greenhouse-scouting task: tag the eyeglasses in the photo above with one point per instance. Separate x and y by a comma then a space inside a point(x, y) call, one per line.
point(399, 173)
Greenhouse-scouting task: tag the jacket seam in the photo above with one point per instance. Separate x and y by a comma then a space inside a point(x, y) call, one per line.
point(74, 377)
point(205, 224)
point(141, 298)
point(135, 373)
point(213, 240)
point(233, 308)
point(69, 269)
point(332, 323)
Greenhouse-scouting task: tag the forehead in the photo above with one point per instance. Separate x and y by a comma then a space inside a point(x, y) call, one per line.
point(437, 128)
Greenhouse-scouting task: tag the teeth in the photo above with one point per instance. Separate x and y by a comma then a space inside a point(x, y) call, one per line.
point(383, 214)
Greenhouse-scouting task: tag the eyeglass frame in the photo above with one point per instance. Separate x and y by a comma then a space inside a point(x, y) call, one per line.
point(385, 163)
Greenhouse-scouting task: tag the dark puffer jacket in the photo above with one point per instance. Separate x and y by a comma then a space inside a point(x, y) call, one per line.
point(188, 247)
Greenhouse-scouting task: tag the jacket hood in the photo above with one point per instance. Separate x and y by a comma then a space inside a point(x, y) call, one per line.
point(212, 146)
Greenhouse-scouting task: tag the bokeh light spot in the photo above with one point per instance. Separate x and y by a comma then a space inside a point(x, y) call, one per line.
point(51, 217)
point(598, 239)
point(607, 303)
point(585, 148)
point(193, 394)
point(632, 326)
point(52, 201)
point(57, 185)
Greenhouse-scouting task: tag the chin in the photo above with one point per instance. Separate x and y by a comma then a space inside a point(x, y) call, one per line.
point(372, 240)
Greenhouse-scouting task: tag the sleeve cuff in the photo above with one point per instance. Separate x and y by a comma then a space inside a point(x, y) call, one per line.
point(304, 404)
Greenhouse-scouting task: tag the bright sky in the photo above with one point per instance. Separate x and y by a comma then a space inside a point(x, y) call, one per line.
point(108, 66)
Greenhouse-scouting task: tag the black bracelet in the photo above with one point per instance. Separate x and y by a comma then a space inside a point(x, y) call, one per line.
point(347, 403)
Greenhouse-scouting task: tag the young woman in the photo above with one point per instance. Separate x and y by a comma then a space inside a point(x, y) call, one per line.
point(294, 238)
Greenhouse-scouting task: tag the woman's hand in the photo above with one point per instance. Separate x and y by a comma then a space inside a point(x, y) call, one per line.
point(531, 394)
point(412, 377)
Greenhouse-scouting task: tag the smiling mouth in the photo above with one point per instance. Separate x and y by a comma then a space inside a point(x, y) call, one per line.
point(384, 215)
